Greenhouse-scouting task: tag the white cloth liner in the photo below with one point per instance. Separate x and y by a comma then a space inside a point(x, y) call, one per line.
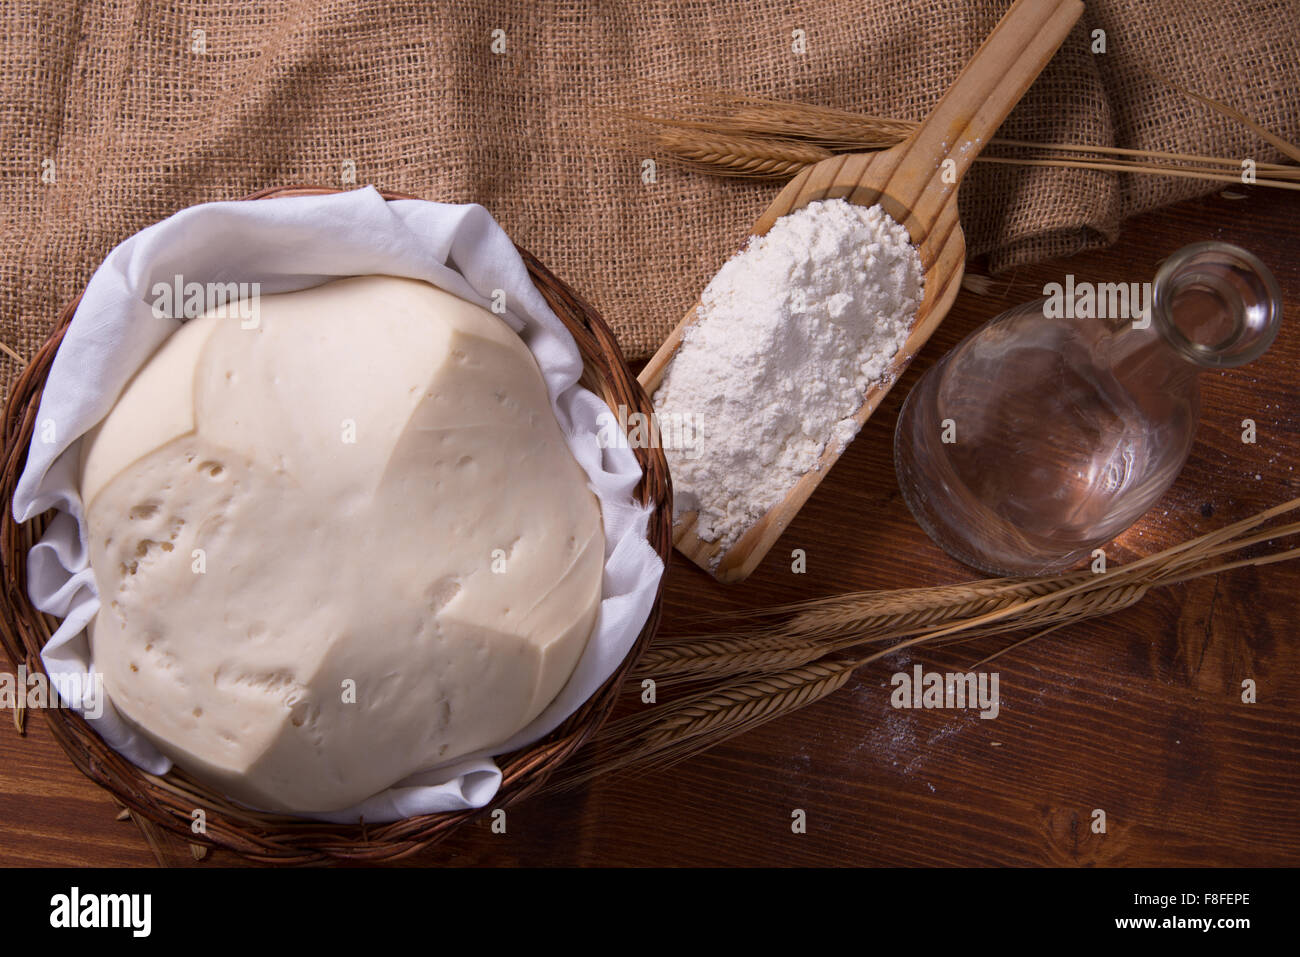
point(288, 244)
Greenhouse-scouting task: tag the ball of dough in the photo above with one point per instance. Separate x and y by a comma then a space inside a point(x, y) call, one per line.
point(339, 547)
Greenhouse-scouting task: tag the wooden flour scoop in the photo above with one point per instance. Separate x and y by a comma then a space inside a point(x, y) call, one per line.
point(916, 182)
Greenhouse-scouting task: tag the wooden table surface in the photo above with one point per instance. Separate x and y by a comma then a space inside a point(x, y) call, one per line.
point(1138, 714)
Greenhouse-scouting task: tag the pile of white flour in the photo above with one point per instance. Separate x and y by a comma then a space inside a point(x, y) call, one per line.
point(792, 333)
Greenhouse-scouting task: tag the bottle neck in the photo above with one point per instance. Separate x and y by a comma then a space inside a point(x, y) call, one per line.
point(1212, 306)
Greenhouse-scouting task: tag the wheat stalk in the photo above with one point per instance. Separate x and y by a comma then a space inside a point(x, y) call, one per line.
point(732, 134)
point(812, 629)
point(755, 115)
point(1134, 167)
point(823, 125)
point(700, 721)
point(744, 679)
point(1287, 149)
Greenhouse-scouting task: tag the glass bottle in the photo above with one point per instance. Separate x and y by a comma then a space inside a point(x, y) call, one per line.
point(1044, 434)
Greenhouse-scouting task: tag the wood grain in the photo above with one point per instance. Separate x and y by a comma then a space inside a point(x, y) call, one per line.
point(915, 182)
point(1138, 714)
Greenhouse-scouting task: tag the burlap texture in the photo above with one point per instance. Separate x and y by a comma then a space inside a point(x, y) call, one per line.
point(113, 115)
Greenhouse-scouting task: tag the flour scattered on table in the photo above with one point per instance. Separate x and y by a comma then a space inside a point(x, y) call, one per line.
point(792, 333)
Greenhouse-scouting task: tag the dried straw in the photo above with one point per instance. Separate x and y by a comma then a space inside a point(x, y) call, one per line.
point(729, 134)
point(786, 657)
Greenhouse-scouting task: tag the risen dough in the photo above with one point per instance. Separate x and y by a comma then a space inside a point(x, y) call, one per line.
point(367, 491)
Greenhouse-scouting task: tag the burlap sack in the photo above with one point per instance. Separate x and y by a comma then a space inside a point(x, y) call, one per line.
point(112, 116)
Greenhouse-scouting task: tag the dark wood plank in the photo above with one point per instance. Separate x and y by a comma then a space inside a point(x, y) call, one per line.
point(1138, 714)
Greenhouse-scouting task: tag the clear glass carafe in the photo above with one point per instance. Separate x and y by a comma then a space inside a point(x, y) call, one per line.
point(1048, 431)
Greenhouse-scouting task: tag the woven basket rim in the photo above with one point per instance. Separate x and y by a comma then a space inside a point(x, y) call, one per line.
point(169, 801)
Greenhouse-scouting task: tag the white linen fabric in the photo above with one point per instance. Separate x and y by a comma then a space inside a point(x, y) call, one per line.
point(287, 244)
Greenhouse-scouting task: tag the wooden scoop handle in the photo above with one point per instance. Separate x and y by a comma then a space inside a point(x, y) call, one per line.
point(992, 83)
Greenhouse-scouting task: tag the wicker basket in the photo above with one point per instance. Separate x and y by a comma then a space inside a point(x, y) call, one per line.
point(169, 801)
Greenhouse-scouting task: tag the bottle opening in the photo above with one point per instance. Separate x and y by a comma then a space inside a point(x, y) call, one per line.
point(1217, 304)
